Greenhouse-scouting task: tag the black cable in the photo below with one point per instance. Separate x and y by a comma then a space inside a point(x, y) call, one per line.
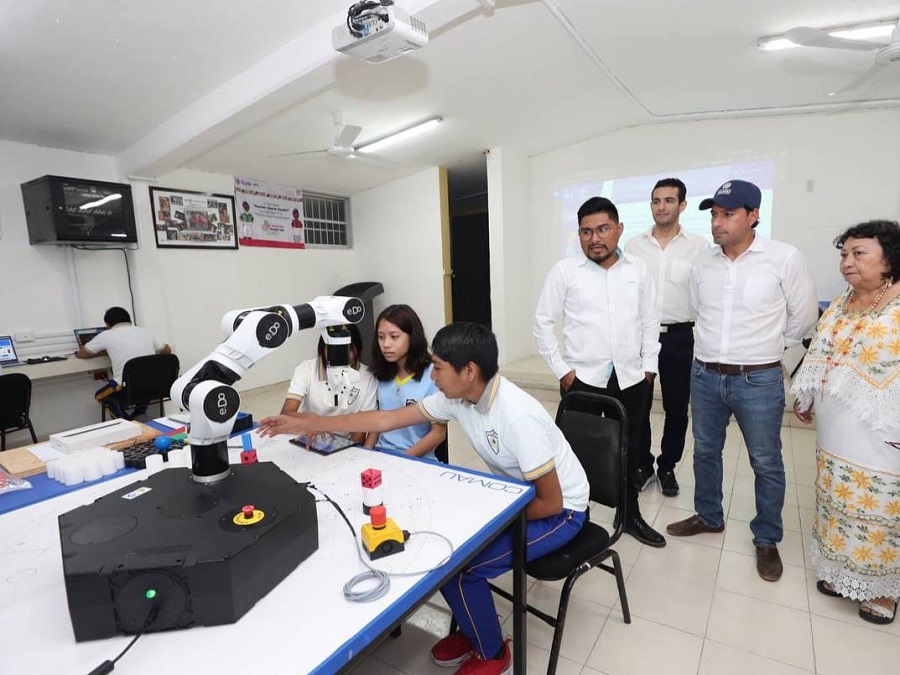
point(108, 666)
point(127, 271)
point(336, 507)
point(380, 577)
point(130, 289)
point(363, 9)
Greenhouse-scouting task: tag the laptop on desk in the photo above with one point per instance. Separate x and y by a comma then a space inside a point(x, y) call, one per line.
point(8, 352)
point(85, 335)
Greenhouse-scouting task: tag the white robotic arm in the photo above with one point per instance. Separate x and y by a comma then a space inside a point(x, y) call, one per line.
point(205, 390)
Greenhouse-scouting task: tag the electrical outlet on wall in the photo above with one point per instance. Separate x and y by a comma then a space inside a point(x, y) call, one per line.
point(24, 336)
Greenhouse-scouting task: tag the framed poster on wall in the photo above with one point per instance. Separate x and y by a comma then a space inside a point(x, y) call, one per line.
point(185, 219)
point(270, 214)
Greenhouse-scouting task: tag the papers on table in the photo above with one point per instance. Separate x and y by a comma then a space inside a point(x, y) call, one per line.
point(45, 452)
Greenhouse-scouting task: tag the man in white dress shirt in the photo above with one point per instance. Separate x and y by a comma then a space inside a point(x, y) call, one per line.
point(610, 331)
point(753, 297)
point(669, 252)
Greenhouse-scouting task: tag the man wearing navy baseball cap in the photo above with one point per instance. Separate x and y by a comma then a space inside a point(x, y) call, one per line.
point(734, 194)
point(753, 297)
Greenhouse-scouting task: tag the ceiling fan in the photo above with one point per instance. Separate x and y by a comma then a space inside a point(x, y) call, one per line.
point(341, 144)
point(886, 53)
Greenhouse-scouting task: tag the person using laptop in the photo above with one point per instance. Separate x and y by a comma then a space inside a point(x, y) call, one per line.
point(121, 341)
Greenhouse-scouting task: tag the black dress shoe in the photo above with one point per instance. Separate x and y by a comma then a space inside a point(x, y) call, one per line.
point(637, 527)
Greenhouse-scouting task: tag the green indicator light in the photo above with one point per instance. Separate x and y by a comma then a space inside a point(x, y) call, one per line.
point(150, 594)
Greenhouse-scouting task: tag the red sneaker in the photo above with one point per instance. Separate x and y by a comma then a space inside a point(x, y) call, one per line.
point(479, 666)
point(452, 650)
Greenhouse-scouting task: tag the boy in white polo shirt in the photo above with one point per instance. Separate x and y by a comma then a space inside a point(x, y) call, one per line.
point(515, 437)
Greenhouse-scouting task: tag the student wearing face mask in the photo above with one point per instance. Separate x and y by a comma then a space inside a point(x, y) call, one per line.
point(335, 382)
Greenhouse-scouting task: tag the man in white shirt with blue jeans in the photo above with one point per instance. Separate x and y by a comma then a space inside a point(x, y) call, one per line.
point(753, 297)
point(669, 251)
point(610, 332)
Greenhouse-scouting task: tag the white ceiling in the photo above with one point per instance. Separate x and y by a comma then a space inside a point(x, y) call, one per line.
point(221, 86)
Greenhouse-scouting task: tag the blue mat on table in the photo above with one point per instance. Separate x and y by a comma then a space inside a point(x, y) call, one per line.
point(167, 429)
point(43, 487)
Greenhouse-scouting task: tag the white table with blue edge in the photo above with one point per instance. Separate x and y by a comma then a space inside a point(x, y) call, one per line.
point(304, 625)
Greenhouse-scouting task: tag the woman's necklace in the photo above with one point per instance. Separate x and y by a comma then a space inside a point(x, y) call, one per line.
point(849, 298)
point(830, 362)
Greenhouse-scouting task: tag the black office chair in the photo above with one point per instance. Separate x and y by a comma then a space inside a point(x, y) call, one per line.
point(15, 392)
point(442, 451)
point(146, 380)
point(599, 439)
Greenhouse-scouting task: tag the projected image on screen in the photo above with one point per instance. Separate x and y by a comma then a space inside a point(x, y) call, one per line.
point(632, 198)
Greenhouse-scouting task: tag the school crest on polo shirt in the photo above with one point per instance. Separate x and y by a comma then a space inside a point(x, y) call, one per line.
point(493, 439)
point(354, 394)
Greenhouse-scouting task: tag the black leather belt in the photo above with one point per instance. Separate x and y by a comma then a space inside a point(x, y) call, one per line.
point(733, 369)
point(672, 327)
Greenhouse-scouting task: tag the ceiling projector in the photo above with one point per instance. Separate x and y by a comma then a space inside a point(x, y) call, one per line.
point(377, 31)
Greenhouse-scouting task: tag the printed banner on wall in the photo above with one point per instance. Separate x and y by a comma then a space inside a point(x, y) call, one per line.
point(269, 214)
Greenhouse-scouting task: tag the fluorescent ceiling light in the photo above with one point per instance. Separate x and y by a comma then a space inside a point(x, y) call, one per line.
point(401, 135)
point(775, 44)
point(867, 31)
point(100, 202)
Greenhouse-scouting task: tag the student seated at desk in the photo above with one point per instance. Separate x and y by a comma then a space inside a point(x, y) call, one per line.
point(332, 384)
point(515, 436)
point(402, 365)
point(122, 341)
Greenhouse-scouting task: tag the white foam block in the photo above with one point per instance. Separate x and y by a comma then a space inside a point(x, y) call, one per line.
point(154, 463)
point(95, 435)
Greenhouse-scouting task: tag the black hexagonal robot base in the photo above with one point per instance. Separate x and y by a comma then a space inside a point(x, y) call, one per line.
point(189, 549)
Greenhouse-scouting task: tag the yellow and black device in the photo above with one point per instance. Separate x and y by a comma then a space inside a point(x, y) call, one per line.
point(382, 536)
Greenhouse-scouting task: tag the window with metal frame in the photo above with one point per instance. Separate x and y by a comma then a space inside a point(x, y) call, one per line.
point(326, 221)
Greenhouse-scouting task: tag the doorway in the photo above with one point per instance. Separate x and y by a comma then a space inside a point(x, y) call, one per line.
point(470, 262)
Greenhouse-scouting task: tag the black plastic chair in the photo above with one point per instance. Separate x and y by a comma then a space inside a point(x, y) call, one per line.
point(442, 451)
point(15, 392)
point(599, 439)
point(146, 380)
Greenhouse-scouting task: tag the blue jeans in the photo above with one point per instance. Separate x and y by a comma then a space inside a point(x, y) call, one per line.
point(757, 401)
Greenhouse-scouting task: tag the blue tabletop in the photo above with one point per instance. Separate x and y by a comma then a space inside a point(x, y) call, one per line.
point(43, 487)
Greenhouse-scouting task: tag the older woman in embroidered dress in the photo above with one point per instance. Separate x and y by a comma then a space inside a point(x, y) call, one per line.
point(851, 375)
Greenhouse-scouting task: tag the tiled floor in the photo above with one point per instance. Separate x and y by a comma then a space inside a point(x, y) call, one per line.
point(697, 605)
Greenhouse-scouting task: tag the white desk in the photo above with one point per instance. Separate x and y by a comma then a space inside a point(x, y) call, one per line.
point(62, 395)
point(53, 369)
point(304, 625)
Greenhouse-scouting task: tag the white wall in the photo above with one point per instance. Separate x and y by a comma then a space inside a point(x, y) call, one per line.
point(510, 242)
point(36, 278)
point(832, 171)
point(397, 238)
point(190, 289)
point(37, 281)
point(181, 295)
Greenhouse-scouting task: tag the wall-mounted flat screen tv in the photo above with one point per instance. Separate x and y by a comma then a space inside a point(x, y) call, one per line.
point(72, 211)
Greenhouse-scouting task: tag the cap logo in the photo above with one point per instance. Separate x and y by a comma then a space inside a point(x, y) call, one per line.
point(725, 189)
